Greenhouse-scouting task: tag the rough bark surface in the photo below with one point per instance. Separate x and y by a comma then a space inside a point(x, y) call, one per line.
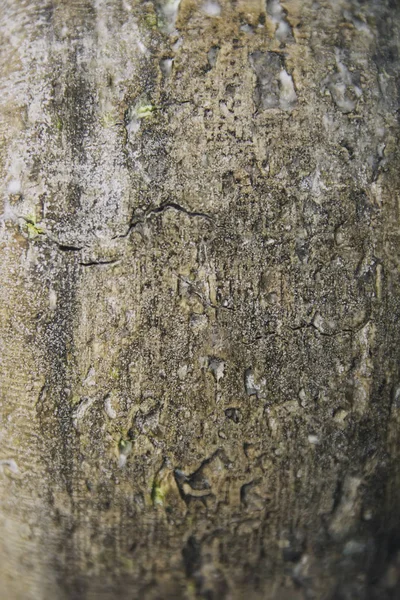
point(199, 305)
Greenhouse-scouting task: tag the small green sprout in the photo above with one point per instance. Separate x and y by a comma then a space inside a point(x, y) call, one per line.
point(109, 119)
point(75, 399)
point(32, 228)
point(145, 111)
point(150, 20)
point(125, 447)
point(115, 373)
point(157, 494)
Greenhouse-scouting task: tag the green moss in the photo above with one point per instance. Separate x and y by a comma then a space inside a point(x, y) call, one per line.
point(32, 228)
point(127, 563)
point(150, 20)
point(125, 447)
point(157, 494)
point(115, 373)
point(109, 119)
point(75, 399)
point(145, 111)
point(59, 124)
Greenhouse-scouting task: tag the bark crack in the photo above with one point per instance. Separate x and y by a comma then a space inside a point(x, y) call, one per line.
point(94, 263)
point(313, 325)
point(159, 210)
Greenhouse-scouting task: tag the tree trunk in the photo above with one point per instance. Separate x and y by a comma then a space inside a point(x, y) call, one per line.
point(200, 387)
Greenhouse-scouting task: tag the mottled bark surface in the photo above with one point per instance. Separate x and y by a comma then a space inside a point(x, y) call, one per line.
point(199, 305)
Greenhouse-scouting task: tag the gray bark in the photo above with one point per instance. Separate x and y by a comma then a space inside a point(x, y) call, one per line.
point(199, 302)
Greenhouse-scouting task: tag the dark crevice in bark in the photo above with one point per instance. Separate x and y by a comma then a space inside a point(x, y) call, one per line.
point(97, 263)
point(159, 210)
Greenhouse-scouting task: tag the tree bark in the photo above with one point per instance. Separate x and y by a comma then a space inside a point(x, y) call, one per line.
point(199, 310)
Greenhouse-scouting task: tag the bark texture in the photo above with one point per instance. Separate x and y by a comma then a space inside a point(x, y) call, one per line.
point(199, 304)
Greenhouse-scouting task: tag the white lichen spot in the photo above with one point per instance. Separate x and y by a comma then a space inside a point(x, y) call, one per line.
point(90, 378)
point(124, 448)
point(301, 569)
point(313, 439)
point(10, 464)
point(362, 375)
point(211, 9)
point(303, 397)
point(132, 127)
point(287, 96)
point(126, 6)
point(212, 55)
point(272, 421)
point(169, 14)
point(142, 47)
point(379, 281)
point(80, 411)
point(175, 47)
point(14, 187)
point(317, 184)
point(52, 299)
point(338, 93)
point(341, 87)
point(166, 66)
point(8, 213)
point(318, 322)
point(203, 362)
point(353, 547)
point(108, 407)
point(225, 112)
point(182, 372)
point(396, 396)
point(246, 28)
point(217, 367)
point(283, 30)
point(358, 23)
point(368, 514)
point(347, 512)
point(250, 385)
